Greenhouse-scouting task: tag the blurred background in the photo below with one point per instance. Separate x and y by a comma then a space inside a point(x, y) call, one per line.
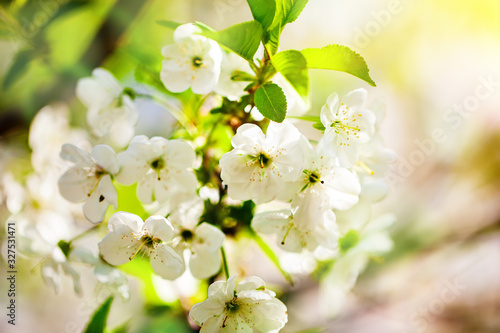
point(436, 64)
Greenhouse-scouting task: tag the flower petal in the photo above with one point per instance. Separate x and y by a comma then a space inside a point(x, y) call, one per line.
point(210, 308)
point(166, 262)
point(204, 264)
point(250, 283)
point(271, 222)
point(159, 227)
point(76, 184)
point(132, 168)
point(268, 316)
point(105, 157)
point(178, 154)
point(117, 248)
point(207, 238)
point(76, 155)
point(108, 191)
point(250, 138)
point(124, 222)
point(95, 207)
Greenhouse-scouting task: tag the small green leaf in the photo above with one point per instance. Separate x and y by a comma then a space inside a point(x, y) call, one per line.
point(293, 66)
point(169, 24)
point(289, 10)
point(263, 11)
point(65, 247)
point(242, 38)
point(339, 58)
point(272, 39)
point(19, 66)
point(319, 126)
point(97, 323)
point(348, 241)
point(286, 12)
point(271, 102)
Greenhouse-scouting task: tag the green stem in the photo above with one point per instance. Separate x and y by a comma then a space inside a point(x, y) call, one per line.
point(306, 118)
point(224, 261)
point(271, 255)
point(210, 134)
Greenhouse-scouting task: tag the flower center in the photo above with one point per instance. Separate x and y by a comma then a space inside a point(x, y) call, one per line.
point(232, 306)
point(264, 160)
point(311, 178)
point(157, 164)
point(186, 235)
point(197, 62)
point(149, 241)
point(339, 125)
point(314, 178)
point(100, 172)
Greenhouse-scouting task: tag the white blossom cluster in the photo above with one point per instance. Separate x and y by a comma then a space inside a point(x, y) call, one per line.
point(327, 187)
point(197, 62)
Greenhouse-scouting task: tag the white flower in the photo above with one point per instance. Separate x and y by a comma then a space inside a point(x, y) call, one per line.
point(193, 61)
point(291, 237)
point(40, 241)
point(347, 125)
point(375, 158)
point(323, 186)
point(232, 307)
point(202, 241)
point(90, 179)
point(111, 112)
point(231, 65)
point(162, 167)
point(114, 280)
point(49, 130)
point(129, 234)
point(357, 246)
point(258, 166)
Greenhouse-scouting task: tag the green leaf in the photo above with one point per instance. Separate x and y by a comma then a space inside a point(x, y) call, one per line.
point(289, 10)
point(97, 323)
point(286, 12)
point(65, 247)
point(339, 58)
point(271, 102)
point(169, 24)
point(319, 126)
point(272, 39)
point(293, 66)
point(19, 66)
point(348, 241)
point(242, 38)
point(263, 11)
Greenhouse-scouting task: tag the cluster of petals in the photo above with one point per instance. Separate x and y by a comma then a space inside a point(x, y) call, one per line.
point(90, 179)
point(197, 62)
point(260, 166)
point(240, 307)
point(348, 125)
point(372, 240)
point(129, 234)
point(161, 167)
point(200, 241)
point(111, 112)
point(192, 62)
